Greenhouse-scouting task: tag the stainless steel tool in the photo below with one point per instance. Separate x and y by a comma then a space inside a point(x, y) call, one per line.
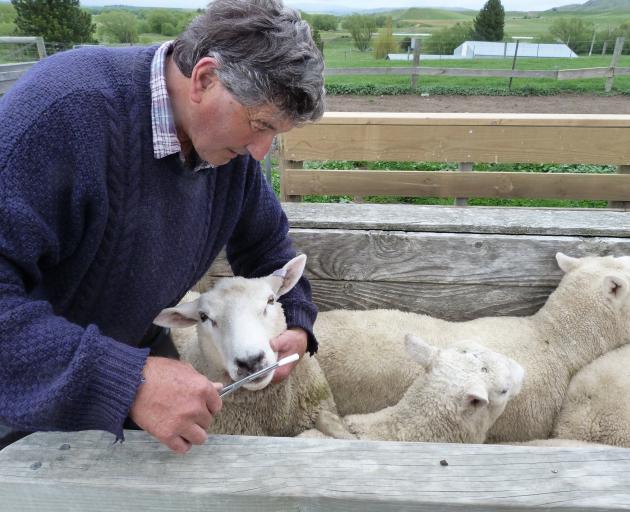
point(230, 388)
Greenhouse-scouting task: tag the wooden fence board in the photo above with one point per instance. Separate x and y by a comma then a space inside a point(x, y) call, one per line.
point(439, 273)
point(459, 143)
point(85, 472)
point(507, 185)
point(450, 219)
point(468, 119)
point(560, 74)
point(440, 258)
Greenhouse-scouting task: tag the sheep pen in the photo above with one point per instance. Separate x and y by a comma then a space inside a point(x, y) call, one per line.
point(586, 316)
point(455, 263)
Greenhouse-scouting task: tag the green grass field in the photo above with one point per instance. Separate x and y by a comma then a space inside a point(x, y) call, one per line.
point(339, 52)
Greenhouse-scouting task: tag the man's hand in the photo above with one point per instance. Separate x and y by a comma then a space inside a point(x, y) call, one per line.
point(291, 341)
point(175, 404)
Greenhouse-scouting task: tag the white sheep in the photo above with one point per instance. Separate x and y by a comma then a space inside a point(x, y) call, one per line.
point(462, 391)
point(363, 357)
point(235, 322)
point(596, 407)
point(237, 318)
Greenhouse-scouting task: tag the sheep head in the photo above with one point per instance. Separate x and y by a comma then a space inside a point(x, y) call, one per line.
point(237, 319)
point(598, 290)
point(470, 384)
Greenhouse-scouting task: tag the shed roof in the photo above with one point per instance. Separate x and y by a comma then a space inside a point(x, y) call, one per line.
point(505, 49)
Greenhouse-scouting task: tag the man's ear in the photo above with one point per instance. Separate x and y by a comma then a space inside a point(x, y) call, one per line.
point(203, 76)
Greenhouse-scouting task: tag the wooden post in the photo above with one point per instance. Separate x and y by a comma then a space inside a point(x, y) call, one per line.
point(415, 43)
point(288, 164)
point(590, 50)
point(268, 166)
point(283, 165)
point(41, 48)
point(464, 167)
point(604, 48)
point(513, 64)
point(613, 64)
point(621, 169)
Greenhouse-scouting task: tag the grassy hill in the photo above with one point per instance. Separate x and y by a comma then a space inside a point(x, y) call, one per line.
point(429, 13)
point(597, 5)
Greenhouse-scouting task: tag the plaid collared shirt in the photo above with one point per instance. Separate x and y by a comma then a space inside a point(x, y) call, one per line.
point(165, 141)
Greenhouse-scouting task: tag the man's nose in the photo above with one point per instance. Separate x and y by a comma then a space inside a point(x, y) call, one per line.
point(259, 147)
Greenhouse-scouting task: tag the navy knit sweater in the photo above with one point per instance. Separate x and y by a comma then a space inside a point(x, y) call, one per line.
point(97, 236)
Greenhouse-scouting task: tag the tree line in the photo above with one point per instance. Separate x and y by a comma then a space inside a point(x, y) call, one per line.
point(65, 21)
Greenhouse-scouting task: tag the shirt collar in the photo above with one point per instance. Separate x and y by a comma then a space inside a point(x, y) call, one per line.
point(165, 141)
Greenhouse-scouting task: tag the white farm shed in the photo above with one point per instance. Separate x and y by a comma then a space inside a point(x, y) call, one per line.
point(481, 49)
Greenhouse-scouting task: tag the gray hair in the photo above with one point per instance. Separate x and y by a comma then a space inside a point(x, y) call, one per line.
point(265, 53)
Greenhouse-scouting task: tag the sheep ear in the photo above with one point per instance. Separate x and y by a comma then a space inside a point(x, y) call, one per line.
point(182, 315)
point(282, 280)
point(476, 395)
point(420, 351)
point(616, 288)
point(566, 263)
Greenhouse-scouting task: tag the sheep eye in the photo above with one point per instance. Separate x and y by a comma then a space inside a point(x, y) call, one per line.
point(205, 318)
point(504, 391)
point(271, 300)
point(484, 369)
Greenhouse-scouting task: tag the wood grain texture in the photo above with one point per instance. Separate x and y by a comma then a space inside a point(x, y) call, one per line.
point(451, 275)
point(450, 219)
point(469, 119)
point(85, 472)
point(441, 258)
point(560, 74)
point(465, 142)
point(507, 185)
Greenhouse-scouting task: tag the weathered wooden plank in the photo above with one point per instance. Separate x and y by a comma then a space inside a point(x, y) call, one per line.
point(439, 258)
point(12, 76)
point(19, 39)
point(5, 85)
point(469, 119)
point(447, 219)
point(458, 143)
point(431, 71)
point(456, 276)
point(85, 472)
point(512, 185)
point(572, 74)
point(456, 302)
point(350, 255)
point(20, 66)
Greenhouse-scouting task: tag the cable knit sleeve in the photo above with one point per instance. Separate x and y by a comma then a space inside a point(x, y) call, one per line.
point(260, 244)
point(54, 374)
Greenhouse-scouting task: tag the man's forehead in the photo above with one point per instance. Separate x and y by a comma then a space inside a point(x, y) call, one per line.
point(269, 114)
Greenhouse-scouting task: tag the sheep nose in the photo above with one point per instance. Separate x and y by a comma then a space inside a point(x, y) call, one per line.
point(250, 364)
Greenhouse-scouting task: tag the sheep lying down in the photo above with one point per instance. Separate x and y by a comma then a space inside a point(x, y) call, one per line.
point(460, 393)
point(596, 408)
point(461, 390)
point(365, 362)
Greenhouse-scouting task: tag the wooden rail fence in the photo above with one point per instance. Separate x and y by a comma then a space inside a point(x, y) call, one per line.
point(9, 73)
point(456, 263)
point(416, 71)
point(463, 139)
point(86, 472)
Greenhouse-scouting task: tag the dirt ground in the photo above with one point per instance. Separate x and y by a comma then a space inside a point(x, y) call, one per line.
point(561, 104)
